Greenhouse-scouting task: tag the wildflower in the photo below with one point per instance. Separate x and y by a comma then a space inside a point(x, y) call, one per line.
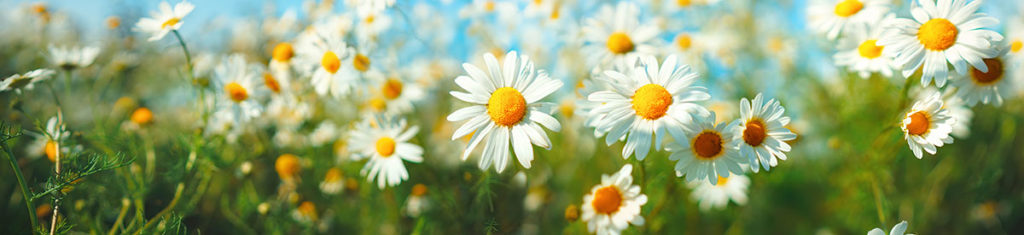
point(647, 103)
point(505, 109)
point(762, 132)
point(947, 32)
point(614, 203)
point(618, 32)
point(417, 202)
point(899, 229)
point(236, 83)
point(987, 87)
point(323, 50)
point(142, 116)
point(927, 125)
point(164, 20)
point(27, 81)
point(333, 182)
point(710, 196)
point(71, 58)
point(862, 54)
point(287, 166)
point(385, 141)
point(835, 17)
point(707, 151)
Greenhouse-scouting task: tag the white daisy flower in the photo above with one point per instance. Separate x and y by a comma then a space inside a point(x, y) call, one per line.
point(835, 16)
point(323, 51)
point(613, 205)
point(326, 132)
point(707, 151)
point(617, 32)
point(987, 86)
point(288, 112)
point(710, 196)
point(947, 32)
point(1015, 37)
point(688, 46)
point(27, 81)
point(236, 83)
point(506, 109)
point(164, 20)
point(927, 125)
point(397, 95)
point(899, 229)
point(647, 103)
point(333, 182)
point(71, 58)
point(385, 141)
point(762, 132)
point(417, 202)
point(279, 75)
point(861, 53)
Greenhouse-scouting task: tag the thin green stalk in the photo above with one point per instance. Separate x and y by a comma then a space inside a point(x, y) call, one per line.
point(22, 184)
point(191, 76)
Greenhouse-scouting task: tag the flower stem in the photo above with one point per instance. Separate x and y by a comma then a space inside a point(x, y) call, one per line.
point(191, 76)
point(56, 145)
point(22, 184)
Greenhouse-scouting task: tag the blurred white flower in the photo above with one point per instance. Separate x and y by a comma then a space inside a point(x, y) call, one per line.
point(163, 21)
point(27, 81)
point(71, 58)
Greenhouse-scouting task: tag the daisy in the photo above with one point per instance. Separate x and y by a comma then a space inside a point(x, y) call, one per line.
point(236, 82)
point(27, 81)
point(948, 33)
point(707, 151)
point(288, 167)
point(333, 182)
point(505, 109)
point(71, 58)
point(326, 132)
point(648, 102)
point(1015, 37)
point(398, 95)
point(385, 141)
point(987, 86)
point(710, 196)
point(899, 229)
point(279, 75)
point(417, 202)
point(833, 17)
point(688, 47)
point(165, 20)
point(324, 51)
point(618, 32)
point(927, 125)
point(613, 205)
point(762, 132)
point(862, 54)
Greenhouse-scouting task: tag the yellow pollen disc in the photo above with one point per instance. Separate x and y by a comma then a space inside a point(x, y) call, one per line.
point(142, 116)
point(333, 175)
point(330, 62)
point(385, 146)
point(754, 133)
point(684, 41)
point(919, 123)
point(378, 104)
point(113, 22)
point(287, 165)
point(651, 101)
point(419, 190)
point(607, 200)
point(620, 43)
point(271, 83)
point(722, 180)
point(1016, 45)
point(847, 8)
point(392, 89)
point(506, 106)
point(489, 6)
point(555, 13)
point(684, 3)
point(51, 150)
point(707, 145)
point(308, 209)
point(994, 74)
point(937, 34)
point(283, 52)
point(369, 19)
point(236, 92)
point(869, 49)
point(361, 62)
point(169, 23)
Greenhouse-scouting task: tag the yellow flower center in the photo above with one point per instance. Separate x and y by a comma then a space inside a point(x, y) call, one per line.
point(651, 101)
point(385, 146)
point(684, 3)
point(361, 62)
point(722, 181)
point(994, 74)
point(113, 22)
point(287, 166)
point(754, 133)
point(236, 92)
point(330, 62)
point(919, 123)
point(869, 49)
point(308, 209)
point(619, 43)
point(419, 190)
point(847, 8)
point(707, 145)
point(1016, 45)
point(506, 106)
point(271, 83)
point(607, 200)
point(283, 52)
point(51, 150)
point(378, 104)
point(937, 34)
point(489, 6)
point(142, 116)
point(333, 175)
point(392, 89)
point(169, 23)
point(684, 41)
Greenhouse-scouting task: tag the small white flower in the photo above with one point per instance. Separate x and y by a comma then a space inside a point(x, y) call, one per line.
point(385, 141)
point(707, 151)
point(762, 132)
point(927, 125)
point(613, 205)
point(617, 32)
point(71, 58)
point(899, 229)
point(836, 16)
point(710, 196)
point(163, 21)
point(235, 84)
point(27, 81)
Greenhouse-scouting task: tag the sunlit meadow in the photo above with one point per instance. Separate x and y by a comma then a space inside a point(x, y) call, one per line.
point(512, 117)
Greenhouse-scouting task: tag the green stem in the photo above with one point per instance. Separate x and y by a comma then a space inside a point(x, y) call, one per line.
point(191, 76)
point(22, 184)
